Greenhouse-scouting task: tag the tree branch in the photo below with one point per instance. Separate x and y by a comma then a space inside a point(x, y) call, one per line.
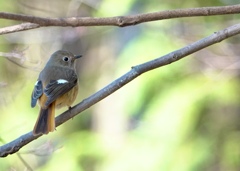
point(121, 21)
point(18, 27)
point(217, 37)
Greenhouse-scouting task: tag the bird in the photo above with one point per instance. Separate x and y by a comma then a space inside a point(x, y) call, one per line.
point(56, 87)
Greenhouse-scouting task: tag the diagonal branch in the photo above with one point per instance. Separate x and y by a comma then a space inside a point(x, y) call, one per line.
point(121, 21)
point(217, 37)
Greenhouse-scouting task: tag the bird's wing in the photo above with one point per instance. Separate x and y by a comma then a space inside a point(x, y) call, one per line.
point(37, 92)
point(56, 88)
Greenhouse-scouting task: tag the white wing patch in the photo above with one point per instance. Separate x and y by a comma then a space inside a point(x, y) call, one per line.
point(62, 81)
point(36, 82)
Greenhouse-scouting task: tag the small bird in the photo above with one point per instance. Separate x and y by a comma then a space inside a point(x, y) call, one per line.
point(56, 87)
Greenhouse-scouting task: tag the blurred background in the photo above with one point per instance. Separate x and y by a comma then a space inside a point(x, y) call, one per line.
point(184, 116)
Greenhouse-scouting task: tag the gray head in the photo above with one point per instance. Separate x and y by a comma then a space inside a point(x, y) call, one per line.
point(63, 58)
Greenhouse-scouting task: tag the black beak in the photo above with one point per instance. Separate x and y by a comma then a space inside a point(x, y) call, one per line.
point(77, 56)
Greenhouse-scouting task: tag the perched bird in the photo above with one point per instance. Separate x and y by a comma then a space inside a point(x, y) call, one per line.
point(56, 87)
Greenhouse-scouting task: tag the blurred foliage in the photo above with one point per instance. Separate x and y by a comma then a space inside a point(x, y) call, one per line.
point(184, 116)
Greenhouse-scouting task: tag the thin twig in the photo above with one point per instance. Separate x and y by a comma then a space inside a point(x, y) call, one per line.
point(121, 21)
point(17, 55)
point(24, 162)
point(17, 28)
point(15, 145)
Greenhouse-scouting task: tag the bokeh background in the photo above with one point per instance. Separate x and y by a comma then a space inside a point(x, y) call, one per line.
point(184, 116)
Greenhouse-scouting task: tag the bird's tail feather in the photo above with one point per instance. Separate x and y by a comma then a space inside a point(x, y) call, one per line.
point(46, 120)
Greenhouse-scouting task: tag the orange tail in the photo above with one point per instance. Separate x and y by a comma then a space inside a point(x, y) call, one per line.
point(46, 121)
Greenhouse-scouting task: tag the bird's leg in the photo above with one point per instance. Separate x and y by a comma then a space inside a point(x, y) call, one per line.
point(70, 108)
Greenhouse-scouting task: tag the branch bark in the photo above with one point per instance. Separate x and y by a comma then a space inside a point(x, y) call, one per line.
point(121, 21)
point(15, 145)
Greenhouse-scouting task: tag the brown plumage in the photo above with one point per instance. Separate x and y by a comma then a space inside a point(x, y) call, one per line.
point(56, 87)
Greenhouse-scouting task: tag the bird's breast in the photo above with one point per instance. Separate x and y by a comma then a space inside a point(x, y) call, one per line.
point(68, 98)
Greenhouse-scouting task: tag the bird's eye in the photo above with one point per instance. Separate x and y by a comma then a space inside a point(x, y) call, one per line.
point(65, 58)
